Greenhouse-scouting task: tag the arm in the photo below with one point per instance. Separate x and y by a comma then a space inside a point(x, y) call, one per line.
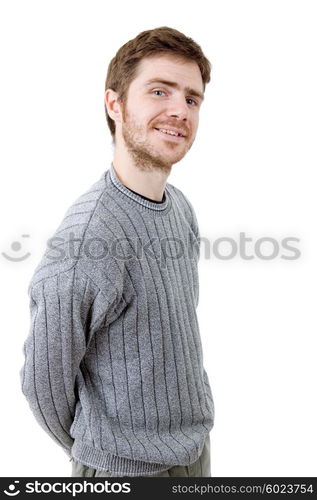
point(66, 310)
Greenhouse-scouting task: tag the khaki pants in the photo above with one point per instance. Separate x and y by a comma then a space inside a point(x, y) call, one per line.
point(200, 468)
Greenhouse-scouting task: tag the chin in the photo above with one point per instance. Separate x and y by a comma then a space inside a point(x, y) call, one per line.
point(170, 153)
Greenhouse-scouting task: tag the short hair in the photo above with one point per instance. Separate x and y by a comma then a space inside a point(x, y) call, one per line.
point(164, 40)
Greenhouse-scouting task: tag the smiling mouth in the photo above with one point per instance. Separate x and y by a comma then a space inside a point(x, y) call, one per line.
point(171, 134)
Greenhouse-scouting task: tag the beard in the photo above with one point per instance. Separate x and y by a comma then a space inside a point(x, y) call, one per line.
point(145, 156)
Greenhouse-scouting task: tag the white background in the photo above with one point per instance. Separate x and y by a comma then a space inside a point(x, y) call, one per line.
point(251, 169)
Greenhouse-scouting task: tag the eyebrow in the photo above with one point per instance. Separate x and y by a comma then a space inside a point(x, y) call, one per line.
point(175, 85)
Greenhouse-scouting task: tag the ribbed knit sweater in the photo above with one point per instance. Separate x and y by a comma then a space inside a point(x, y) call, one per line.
point(113, 367)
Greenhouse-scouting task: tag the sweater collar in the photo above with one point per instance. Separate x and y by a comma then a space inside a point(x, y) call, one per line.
point(137, 198)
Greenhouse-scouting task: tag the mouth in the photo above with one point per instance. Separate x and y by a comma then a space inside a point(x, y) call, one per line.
point(173, 135)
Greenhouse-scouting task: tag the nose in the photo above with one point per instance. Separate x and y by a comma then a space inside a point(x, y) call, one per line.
point(178, 108)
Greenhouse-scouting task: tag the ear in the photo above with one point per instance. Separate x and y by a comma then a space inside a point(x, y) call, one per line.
point(113, 105)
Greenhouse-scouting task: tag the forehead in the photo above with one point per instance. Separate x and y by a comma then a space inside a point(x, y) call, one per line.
point(168, 67)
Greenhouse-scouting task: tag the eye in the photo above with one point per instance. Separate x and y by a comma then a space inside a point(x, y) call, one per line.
point(192, 100)
point(162, 91)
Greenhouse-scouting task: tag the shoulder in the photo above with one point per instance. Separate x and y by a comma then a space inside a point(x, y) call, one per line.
point(81, 237)
point(182, 200)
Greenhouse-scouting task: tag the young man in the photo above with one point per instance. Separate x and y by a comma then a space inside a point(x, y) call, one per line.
point(113, 363)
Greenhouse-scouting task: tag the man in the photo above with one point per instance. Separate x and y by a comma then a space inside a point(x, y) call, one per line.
point(113, 362)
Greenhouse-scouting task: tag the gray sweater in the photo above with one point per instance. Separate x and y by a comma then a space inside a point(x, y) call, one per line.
point(113, 368)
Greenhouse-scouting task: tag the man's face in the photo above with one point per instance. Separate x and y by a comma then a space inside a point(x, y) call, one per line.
point(163, 99)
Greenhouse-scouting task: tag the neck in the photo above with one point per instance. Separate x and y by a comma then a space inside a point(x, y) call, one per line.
point(146, 180)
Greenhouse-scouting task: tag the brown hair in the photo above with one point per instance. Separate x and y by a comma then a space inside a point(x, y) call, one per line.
point(123, 67)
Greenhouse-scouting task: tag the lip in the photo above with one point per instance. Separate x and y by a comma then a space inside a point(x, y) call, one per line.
point(176, 138)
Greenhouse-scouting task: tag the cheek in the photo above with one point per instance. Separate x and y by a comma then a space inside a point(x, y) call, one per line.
point(152, 112)
point(195, 123)
point(143, 114)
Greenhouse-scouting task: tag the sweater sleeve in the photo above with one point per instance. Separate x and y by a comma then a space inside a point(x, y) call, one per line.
point(66, 310)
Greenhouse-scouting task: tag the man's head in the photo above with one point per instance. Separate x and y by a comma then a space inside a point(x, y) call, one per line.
point(156, 83)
